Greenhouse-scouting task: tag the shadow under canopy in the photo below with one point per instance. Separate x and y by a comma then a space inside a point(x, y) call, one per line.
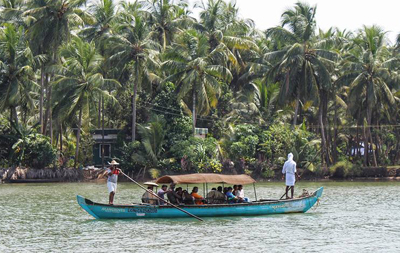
point(206, 178)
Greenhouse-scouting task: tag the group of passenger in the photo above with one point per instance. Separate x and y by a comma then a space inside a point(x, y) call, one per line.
point(179, 196)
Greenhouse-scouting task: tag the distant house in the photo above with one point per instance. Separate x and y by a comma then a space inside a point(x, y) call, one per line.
point(110, 140)
point(200, 132)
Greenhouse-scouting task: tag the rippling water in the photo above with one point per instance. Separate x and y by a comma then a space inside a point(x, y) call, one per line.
point(352, 217)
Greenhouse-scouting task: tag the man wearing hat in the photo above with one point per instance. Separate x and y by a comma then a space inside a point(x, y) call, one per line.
point(112, 173)
point(149, 196)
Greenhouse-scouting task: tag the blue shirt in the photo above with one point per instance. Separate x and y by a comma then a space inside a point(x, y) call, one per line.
point(231, 197)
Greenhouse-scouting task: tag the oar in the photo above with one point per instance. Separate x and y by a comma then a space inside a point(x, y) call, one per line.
point(286, 192)
point(180, 209)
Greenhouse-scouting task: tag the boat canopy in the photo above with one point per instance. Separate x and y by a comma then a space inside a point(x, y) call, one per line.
point(206, 178)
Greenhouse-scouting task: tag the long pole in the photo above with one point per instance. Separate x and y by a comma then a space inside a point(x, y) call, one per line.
point(180, 209)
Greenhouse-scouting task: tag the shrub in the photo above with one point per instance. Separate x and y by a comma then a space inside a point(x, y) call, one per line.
point(200, 154)
point(344, 169)
point(35, 150)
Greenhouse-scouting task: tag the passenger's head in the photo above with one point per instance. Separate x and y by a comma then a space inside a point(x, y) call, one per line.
point(220, 188)
point(172, 186)
point(195, 189)
point(213, 189)
point(240, 187)
point(150, 187)
point(179, 189)
point(225, 189)
point(229, 189)
point(164, 187)
point(235, 187)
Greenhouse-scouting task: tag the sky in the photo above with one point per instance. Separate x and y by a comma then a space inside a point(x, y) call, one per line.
point(344, 14)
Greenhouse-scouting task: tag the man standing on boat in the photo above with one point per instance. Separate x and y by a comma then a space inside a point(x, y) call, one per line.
point(289, 171)
point(112, 180)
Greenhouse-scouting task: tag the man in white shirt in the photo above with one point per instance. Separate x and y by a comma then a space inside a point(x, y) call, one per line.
point(240, 194)
point(289, 171)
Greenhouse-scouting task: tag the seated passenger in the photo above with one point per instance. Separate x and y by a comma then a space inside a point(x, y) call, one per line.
point(173, 197)
point(149, 196)
point(198, 199)
point(161, 193)
point(187, 198)
point(240, 194)
point(235, 190)
point(231, 198)
point(179, 191)
point(216, 197)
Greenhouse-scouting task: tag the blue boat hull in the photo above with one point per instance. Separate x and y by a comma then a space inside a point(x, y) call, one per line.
point(103, 211)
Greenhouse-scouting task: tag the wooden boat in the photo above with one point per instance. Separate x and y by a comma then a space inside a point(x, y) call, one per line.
point(258, 207)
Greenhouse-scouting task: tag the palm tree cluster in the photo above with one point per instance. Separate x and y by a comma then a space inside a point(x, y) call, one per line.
point(71, 66)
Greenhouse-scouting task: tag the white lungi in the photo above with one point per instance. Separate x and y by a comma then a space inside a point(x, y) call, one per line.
point(112, 187)
point(290, 179)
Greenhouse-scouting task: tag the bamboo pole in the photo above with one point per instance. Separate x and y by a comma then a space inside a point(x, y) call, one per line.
point(180, 209)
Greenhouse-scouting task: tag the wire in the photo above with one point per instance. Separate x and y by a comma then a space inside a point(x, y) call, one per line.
point(212, 119)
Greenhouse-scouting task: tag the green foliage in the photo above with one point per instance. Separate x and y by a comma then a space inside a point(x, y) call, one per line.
point(34, 150)
point(345, 169)
point(245, 147)
point(279, 140)
point(201, 154)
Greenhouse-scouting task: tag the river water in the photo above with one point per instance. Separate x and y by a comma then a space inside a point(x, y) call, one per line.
point(351, 217)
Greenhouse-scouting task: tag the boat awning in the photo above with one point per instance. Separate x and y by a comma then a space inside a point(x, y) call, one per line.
point(200, 178)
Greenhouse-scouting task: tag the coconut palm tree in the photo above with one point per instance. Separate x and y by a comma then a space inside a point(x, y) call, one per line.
point(367, 69)
point(133, 52)
point(78, 82)
point(17, 81)
point(302, 69)
point(196, 71)
point(49, 24)
point(167, 19)
point(104, 13)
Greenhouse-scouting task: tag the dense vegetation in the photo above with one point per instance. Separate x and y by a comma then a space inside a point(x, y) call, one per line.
point(152, 70)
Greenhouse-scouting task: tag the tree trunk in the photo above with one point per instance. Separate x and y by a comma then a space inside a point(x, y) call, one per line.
point(335, 134)
point(369, 122)
point(296, 110)
point(78, 136)
point(100, 108)
point(61, 138)
point(365, 146)
point(102, 133)
point(323, 139)
point(51, 126)
point(15, 115)
point(42, 78)
point(48, 105)
point(194, 112)
point(135, 86)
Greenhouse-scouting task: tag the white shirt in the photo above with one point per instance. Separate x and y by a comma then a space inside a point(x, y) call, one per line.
point(241, 193)
point(289, 167)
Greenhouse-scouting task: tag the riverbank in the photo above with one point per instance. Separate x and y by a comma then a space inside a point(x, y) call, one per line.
point(26, 175)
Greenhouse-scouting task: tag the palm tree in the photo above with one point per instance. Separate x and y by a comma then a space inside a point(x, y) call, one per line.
point(17, 81)
point(167, 19)
point(133, 52)
point(104, 13)
point(196, 72)
point(301, 68)
point(49, 25)
point(78, 82)
point(153, 138)
point(367, 69)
